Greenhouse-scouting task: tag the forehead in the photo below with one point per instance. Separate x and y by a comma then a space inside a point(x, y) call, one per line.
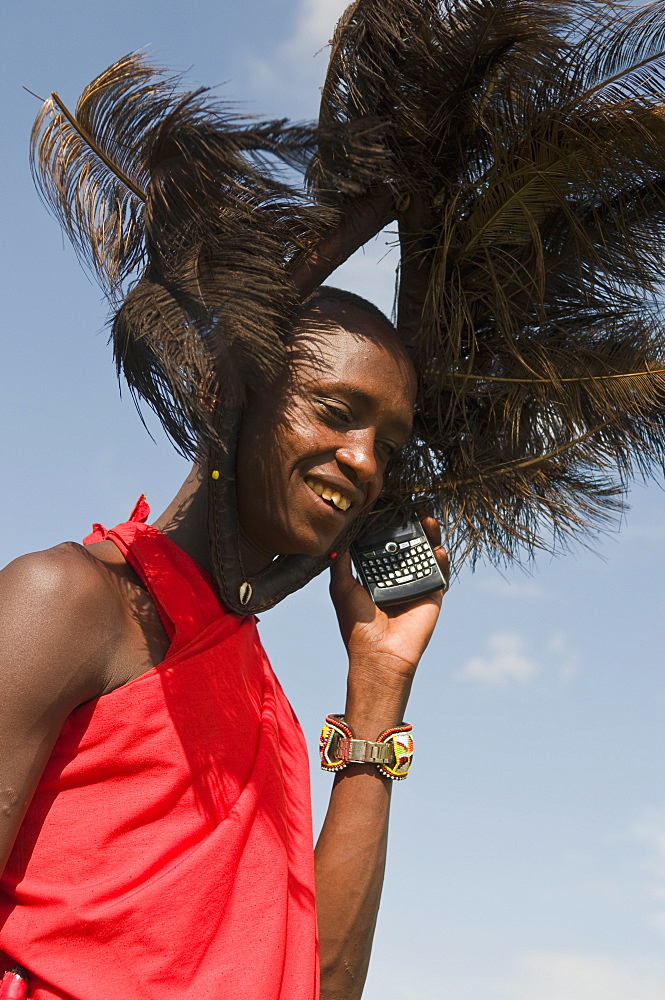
point(342, 344)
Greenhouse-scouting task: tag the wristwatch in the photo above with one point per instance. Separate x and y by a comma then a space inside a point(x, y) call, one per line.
point(392, 751)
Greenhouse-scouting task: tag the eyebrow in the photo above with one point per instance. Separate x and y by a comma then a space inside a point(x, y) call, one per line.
point(363, 397)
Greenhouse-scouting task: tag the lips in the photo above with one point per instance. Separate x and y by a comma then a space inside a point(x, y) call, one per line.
point(332, 494)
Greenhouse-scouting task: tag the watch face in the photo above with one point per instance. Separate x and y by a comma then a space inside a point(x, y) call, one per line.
point(392, 753)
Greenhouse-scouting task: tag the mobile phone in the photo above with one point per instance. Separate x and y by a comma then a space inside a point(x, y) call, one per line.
point(397, 565)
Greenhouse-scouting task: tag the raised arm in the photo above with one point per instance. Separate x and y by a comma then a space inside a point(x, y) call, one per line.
point(384, 650)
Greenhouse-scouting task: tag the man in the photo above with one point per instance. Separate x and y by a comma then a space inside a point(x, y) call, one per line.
point(81, 627)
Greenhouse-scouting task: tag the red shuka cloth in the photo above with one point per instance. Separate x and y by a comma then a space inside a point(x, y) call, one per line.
point(167, 853)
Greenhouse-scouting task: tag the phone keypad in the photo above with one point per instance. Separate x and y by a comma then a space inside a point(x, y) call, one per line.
point(411, 561)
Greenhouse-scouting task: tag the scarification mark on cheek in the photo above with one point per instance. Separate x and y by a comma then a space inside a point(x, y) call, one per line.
point(8, 801)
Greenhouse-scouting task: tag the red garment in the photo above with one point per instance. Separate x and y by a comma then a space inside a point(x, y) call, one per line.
point(167, 853)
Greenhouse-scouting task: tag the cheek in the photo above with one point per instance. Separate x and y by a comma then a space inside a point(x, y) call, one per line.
point(266, 454)
point(299, 436)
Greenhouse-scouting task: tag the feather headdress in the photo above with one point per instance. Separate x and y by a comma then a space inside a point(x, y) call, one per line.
point(517, 144)
point(523, 146)
point(169, 192)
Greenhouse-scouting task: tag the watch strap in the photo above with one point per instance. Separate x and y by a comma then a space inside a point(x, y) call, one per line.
point(391, 752)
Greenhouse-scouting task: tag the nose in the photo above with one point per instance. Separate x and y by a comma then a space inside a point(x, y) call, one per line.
point(357, 453)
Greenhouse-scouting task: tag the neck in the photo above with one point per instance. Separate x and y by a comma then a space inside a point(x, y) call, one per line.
point(254, 559)
point(185, 520)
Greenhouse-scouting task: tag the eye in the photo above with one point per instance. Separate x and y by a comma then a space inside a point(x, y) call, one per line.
point(337, 411)
point(387, 449)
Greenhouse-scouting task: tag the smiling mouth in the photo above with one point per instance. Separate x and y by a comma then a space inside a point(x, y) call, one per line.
point(333, 497)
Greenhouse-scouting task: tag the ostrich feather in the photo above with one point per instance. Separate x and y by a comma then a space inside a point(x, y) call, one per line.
point(522, 144)
point(517, 145)
point(170, 187)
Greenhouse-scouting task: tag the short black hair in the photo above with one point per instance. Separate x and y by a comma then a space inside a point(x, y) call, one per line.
point(328, 293)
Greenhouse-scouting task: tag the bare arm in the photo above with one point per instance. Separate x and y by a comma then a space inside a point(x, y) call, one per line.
point(54, 635)
point(384, 650)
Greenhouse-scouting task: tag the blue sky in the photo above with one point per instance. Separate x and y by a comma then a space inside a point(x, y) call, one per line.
point(527, 857)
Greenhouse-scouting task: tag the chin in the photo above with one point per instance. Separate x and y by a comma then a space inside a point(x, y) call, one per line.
point(305, 535)
point(306, 543)
point(314, 549)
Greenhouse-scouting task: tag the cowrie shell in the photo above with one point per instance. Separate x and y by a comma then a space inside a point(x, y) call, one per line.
point(245, 593)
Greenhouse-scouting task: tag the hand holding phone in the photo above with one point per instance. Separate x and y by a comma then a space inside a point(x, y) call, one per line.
point(387, 642)
point(397, 565)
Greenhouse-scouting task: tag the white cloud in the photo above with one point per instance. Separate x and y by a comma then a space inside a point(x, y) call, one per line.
point(567, 976)
point(651, 831)
point(297, 65)
point(568, 659)
point(315, 26)
point(506, 660)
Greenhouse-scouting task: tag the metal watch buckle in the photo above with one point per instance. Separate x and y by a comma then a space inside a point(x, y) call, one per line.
point(364, 752)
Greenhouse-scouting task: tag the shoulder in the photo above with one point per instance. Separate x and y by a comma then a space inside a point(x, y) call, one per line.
point(59, 617)
point(48, 570)
point(62, 581)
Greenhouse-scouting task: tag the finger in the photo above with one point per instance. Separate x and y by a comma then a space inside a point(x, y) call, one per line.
point(432, 529)
point(441, 557)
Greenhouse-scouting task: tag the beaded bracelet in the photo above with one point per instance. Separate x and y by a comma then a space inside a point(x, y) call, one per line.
point(392, 752)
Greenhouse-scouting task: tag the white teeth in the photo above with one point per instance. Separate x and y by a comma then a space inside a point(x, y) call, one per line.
point(338, 499)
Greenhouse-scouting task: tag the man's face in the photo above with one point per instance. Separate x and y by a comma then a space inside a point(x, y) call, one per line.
point(313, 450)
